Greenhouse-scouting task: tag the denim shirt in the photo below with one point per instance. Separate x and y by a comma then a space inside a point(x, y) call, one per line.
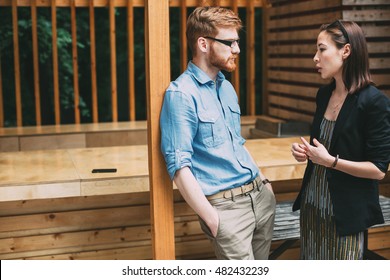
point(200, 128)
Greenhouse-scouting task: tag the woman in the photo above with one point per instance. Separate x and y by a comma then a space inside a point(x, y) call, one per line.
point(349, 149)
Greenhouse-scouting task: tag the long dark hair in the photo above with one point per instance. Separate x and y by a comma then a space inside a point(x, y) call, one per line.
point(356, 72)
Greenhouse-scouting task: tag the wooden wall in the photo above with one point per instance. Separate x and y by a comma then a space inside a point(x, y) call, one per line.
point(118, 227)
point(291, 29)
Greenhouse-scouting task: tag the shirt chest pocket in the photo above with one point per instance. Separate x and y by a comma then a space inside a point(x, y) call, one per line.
point(211, 129)
point(235, 114)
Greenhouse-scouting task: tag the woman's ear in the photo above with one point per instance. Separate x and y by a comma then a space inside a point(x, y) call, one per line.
point(346, 51)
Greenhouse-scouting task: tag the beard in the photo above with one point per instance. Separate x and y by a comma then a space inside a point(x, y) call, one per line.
point(221, 63)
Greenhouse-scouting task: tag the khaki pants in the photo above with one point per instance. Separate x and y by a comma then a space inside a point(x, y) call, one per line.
point(245, 225)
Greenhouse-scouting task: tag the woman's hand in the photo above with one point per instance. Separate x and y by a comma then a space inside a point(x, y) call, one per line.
point(318, 154)
point(299, 152)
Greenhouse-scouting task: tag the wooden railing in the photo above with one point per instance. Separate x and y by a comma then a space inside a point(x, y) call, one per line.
point(111, 5)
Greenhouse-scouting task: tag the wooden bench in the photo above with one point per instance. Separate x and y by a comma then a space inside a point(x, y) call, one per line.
point(70, 136)
point(287, 228)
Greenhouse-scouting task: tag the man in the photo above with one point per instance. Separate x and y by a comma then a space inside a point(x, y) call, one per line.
point(203, 147)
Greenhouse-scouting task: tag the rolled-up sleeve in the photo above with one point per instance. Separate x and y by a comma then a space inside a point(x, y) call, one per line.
point(178, 125)
point(378, 132)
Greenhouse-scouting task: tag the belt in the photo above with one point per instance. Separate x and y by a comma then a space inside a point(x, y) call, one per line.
point(231, 193)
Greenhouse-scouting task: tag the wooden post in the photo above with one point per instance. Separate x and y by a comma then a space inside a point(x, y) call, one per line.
point(157, 80)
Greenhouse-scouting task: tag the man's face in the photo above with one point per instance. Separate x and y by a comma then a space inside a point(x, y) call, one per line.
point(222, 56)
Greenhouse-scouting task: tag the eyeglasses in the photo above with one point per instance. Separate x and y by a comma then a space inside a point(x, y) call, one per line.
point(229, 43)
point(342, 29)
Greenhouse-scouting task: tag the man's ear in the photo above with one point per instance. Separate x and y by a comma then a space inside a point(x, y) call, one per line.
point(203, 45)
point(346, 51)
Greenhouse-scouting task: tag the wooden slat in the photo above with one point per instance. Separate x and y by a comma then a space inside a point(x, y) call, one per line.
point(130, 49)
point(291, 62)
point(114, 94)
point(367, 15)
point(183, 38)
point(121, 3)
point(310, 49)
point(379, 63)
point(381, 79)
point(364, 2)
point(308, 106)
point(1, 98)
point(92, 39)
point(236, 73)
point(250, 61)
point(56, 84)
point(296, 77)
point(297, 7)
point(304, 91)
point(294, 35)
point(18, 94)
point(35, 50)
point(157, 80)
point(76, 94)
point(371, 31)
point(309, 20)
point(289, 115)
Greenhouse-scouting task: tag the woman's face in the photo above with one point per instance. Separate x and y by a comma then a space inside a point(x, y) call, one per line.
point(328, 58)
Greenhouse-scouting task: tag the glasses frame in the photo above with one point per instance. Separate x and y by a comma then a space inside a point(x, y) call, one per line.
point(228, 43)
point(342, 28)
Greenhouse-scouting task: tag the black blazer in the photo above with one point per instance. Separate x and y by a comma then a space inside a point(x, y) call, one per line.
point(361, 133)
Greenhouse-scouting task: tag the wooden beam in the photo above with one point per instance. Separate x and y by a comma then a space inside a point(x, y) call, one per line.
point(56, 83)
point(250, 58)
point(76, 95)
point(130, 50)
point(157, 79)
point(92, 39)
point(18, 94)
point(114, 90)
point(37, 95)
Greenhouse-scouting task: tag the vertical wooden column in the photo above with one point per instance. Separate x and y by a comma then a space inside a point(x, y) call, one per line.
point(1, 98)
point(95, 117)
point(236, 73)
point(56, 83)
point(130, 50)
point(114, 90)
point(183, 37)
point(18, 94)
point(75, 65)
point(250, 55)
point(157, 80)
point(34, 27)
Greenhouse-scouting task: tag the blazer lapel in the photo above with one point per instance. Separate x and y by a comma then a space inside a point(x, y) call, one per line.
point(343, 117)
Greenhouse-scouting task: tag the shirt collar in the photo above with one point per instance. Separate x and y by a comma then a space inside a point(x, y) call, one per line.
point(201, 76)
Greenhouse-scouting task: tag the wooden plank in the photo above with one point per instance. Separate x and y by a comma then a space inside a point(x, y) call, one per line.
point(92, 39)
point(291, 62)
point(308, 106)
point(236, 73)
point(381, 79)
point(183, 37)
point(314, 78)
point(18, 93)
point(309, 20)
point(294, 35)
point(56, 83)
point(130, 50)
point(1, 98)
point(379, 63)
point(120, 3)
point(310, 49)
point(367, 15)
point(8, 144)
point(250, 61)
point(371, 31)
point(298, 7)
point(114, 93)
point(304, 91)
point(34, 25)
point(157, 79)
point(364, 2)
point(289, 115)
point(76, 95)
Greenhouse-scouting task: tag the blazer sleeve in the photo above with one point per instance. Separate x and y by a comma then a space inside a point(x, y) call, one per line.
point(378, 130)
